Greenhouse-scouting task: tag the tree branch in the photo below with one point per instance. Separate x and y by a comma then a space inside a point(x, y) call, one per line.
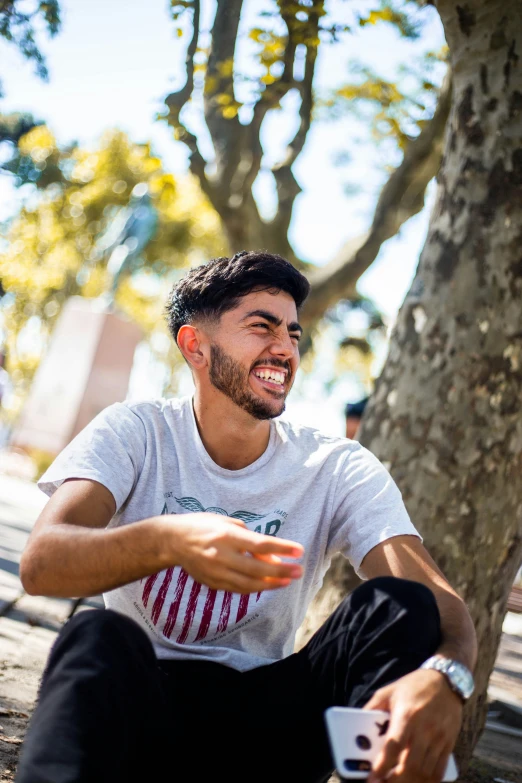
point(401, 197)
point(177, 100)
point(287, 186)
point(272, 95)
point(181, 97)
point(225, 132)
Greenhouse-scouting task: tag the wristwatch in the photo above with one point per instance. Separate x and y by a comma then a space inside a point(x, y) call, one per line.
point(459, 676)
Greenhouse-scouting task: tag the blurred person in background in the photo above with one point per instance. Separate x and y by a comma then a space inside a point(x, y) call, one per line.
point(209, 523)
point(353, 413)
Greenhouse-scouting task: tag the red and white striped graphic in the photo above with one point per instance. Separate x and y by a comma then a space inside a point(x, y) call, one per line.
point(211, 611)
point(216, 605)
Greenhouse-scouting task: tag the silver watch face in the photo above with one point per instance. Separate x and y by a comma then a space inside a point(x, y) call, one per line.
point(461, 678)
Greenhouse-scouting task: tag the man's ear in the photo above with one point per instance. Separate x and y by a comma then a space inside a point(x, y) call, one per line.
point(190, 343)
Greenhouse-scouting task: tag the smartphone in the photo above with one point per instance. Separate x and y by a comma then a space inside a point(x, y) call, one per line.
point(356, 736)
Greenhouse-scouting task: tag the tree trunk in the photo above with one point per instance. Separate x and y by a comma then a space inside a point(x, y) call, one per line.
point(341, 580)
point(243, 225)
point(245, 229)
point(445, 416)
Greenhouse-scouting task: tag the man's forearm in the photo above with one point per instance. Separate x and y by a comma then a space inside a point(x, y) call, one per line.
point(459, 640)
point(71, 561)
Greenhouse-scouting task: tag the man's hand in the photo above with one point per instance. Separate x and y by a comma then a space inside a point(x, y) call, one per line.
point(223, 554)
point(425, 719)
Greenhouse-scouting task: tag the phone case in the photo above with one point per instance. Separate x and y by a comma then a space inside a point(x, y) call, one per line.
point(356, 736)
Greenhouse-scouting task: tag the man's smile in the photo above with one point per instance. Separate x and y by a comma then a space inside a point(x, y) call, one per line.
point(270, 378)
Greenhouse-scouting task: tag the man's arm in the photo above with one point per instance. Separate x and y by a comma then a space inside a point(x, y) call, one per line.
point(406, 557)
point(425, 714)
point(70, 553)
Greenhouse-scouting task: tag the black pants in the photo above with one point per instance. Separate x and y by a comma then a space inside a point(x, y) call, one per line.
point(109, 711)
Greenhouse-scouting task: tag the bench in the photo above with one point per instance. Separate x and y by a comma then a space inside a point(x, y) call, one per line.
point(515, 600)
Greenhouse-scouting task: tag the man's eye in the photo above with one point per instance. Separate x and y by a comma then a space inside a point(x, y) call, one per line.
point(295, 337)
point(263, 326)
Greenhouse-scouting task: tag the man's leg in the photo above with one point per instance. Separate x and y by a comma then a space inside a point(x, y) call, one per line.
point(100, 708)
point(384, 629)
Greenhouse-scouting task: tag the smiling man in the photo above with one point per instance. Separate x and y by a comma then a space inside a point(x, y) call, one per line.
point(208, 523)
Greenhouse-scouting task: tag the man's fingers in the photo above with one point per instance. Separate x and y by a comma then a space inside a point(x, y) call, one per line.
point(263, 569)
point(246, 540)
point(379, 701)
point(422, 756)
point(396, 742)
point(435, 763)
point(398, 772)
point(237, 582)
point(236, 521)
point(260, 544)
point(387, 759)
point(432, 767)
point(269, 558)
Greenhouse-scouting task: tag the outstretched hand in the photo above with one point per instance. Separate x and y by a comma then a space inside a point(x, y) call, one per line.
point(425, 719)
point(222, 553)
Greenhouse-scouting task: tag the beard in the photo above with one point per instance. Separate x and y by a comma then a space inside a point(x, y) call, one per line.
point(230, 377)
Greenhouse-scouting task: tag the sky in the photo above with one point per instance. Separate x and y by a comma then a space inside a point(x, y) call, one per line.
point(111, 66)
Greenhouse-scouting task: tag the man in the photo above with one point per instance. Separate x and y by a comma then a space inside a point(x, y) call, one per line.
point(209, 524)
point(353, 412)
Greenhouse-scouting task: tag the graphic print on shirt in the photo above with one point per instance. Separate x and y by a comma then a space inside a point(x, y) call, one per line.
point(167, 592)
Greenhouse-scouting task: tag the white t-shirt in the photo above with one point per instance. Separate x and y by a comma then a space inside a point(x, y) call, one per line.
point(329, 494)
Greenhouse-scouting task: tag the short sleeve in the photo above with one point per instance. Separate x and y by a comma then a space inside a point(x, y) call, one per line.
point(368, 508)
point(110, 450)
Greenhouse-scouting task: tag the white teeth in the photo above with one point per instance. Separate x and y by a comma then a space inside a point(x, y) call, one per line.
point(272, 375)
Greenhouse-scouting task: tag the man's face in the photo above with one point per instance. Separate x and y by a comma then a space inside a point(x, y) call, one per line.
point(254, 353)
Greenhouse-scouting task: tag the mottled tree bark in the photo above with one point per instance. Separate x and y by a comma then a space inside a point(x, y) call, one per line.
point(446, 414)
point(340, 581)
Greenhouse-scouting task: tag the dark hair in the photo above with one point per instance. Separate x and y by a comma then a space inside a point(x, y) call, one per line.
point(209, 290)
point(356, 409)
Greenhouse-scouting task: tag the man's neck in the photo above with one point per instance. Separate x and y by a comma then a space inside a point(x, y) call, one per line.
point(231, 437)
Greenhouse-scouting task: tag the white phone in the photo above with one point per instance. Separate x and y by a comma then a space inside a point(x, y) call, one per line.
point(356, 736)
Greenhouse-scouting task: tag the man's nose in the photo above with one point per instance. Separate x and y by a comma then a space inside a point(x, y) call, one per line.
point(282, 345)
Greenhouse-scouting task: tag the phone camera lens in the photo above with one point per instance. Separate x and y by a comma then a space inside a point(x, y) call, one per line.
point(363, 742)
point(357, 765)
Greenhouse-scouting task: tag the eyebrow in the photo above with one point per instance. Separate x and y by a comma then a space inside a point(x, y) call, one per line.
point(273, 319)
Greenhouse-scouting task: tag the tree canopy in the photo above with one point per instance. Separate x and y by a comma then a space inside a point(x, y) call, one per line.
point(52, 248)
point(245, 68)
point(18, 21)
point(236, 74)
point(18, 27)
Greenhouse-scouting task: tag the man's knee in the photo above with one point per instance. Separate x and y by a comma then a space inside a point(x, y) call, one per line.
point(412, 595)
point(95, 629)
point(104, 620)
point(413, 600)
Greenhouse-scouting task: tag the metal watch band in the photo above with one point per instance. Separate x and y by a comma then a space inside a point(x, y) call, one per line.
point(458, 676)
